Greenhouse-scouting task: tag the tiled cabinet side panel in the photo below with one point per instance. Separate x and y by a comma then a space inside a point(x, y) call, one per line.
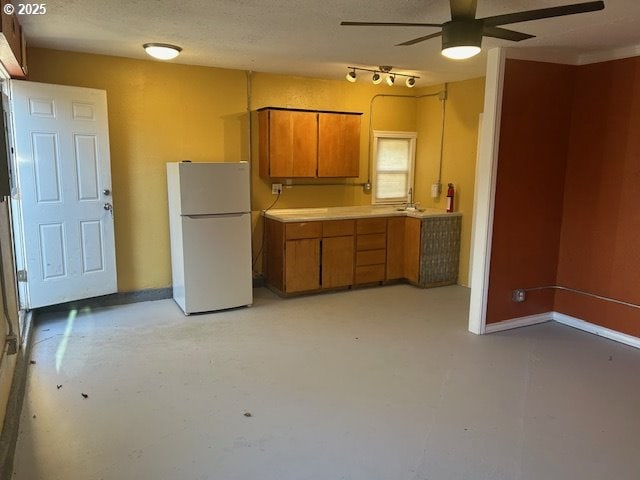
point(440, 250)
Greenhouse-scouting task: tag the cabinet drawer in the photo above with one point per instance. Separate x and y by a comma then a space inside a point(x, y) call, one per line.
point(371, 257)
point(338, 228)
point(298, 230)
point(375, 241)
point(372, 225)
point(369, 273)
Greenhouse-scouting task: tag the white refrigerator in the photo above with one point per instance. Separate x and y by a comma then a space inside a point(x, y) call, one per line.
point(210, 231)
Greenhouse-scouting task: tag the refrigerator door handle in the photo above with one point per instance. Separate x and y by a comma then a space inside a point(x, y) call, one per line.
point(216, 215)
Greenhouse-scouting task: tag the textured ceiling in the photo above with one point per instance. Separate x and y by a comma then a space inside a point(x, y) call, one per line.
point(304, 37)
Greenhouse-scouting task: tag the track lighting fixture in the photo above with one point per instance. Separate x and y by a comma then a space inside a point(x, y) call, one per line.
point(376, 78)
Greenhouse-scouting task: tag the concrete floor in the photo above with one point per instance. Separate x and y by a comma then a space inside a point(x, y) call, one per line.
point(372, 384)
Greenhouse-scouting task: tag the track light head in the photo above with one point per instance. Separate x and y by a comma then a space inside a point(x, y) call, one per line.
point(410, 82)
point(351, 76)
point(376, 78)
point(391, 79)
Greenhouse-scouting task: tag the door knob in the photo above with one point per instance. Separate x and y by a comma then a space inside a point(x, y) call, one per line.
point(106, 191)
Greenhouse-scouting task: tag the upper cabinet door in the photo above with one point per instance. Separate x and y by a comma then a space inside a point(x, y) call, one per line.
point(338, 145)
point(292, 142)
point(306, 143)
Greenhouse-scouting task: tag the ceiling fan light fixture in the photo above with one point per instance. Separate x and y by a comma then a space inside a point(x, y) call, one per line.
point(376, 78)
point(391, 79)
point(461, 52)
point(351, 76)
point(162, 51)
point(461, 39)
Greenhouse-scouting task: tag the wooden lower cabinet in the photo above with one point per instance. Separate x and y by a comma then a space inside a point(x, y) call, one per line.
point(403, 249)
point(319, 255)
point(302, 265)
point(371, 250)
point(337, 262)
point(395, 248)
point(309, 256)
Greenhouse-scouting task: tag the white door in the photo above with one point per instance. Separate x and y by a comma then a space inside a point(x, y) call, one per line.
point(64, 192)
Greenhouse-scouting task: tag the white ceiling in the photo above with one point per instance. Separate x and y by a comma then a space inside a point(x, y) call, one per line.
point(304, 37)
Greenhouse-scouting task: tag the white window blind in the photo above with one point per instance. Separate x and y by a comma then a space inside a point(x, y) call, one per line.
point(394, 156)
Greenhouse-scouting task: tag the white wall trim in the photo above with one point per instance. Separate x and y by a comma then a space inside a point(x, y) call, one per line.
point(485, 190)
point(519, 322)
point(565, 320)
point(596, 329)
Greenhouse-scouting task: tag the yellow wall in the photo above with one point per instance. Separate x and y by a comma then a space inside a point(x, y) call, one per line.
point(161, 112)
point(463, 107)
point(158, 113)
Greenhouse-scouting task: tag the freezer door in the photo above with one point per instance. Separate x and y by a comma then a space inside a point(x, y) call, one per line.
point(217, 262)
point(210, 188)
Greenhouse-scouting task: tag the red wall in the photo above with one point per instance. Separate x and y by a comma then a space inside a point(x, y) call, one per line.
point(600, 239)
point(534, 134)
point(568, 192)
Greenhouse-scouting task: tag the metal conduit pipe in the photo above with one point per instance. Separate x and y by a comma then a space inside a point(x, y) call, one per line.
point(581, 292)
point(443, 97)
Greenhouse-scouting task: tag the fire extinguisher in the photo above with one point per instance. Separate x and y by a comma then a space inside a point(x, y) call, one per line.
point(450, 195)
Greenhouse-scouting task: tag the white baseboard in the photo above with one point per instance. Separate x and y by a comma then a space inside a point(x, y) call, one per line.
point(596, 329)
point(565, 320)
point(518, 322)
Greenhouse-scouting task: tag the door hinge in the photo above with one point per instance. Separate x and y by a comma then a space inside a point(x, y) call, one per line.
point(22, 275)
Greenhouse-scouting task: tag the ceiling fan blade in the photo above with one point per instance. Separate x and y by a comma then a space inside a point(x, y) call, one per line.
point(504, 34)
point(419, 39)
point(542, 13)
point(389, 24)
point(463, 9)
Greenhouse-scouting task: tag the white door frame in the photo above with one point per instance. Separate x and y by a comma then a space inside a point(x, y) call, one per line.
point(16, 213)
point(485, 190)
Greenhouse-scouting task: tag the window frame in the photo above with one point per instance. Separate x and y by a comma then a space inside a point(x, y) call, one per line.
point(412, 138)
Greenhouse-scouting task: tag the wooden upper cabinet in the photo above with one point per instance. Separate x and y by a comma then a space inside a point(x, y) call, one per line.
point(338, 145)
point(304, 143)
point(12, 51)
point(288, 143)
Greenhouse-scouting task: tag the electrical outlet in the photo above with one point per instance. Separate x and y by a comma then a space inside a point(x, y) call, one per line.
point(276, 188)
point(519, 295)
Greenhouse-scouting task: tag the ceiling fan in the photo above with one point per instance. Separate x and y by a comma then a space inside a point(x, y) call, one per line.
point(462, 35)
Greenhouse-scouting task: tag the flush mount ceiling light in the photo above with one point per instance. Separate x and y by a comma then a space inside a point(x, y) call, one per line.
point(462, 35)
point(162, 51)
point(376, 78)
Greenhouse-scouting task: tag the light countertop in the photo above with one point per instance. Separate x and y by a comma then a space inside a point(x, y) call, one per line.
point(343, 213)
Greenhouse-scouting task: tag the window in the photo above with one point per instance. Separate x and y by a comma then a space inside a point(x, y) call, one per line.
point(393, 163)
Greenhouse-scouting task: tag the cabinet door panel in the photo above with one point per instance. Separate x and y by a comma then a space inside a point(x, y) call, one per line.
point(395, 248)
point(412, 249)
point(338, 145)
point(337, 262)
point(302, 265)
point(293, 139)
